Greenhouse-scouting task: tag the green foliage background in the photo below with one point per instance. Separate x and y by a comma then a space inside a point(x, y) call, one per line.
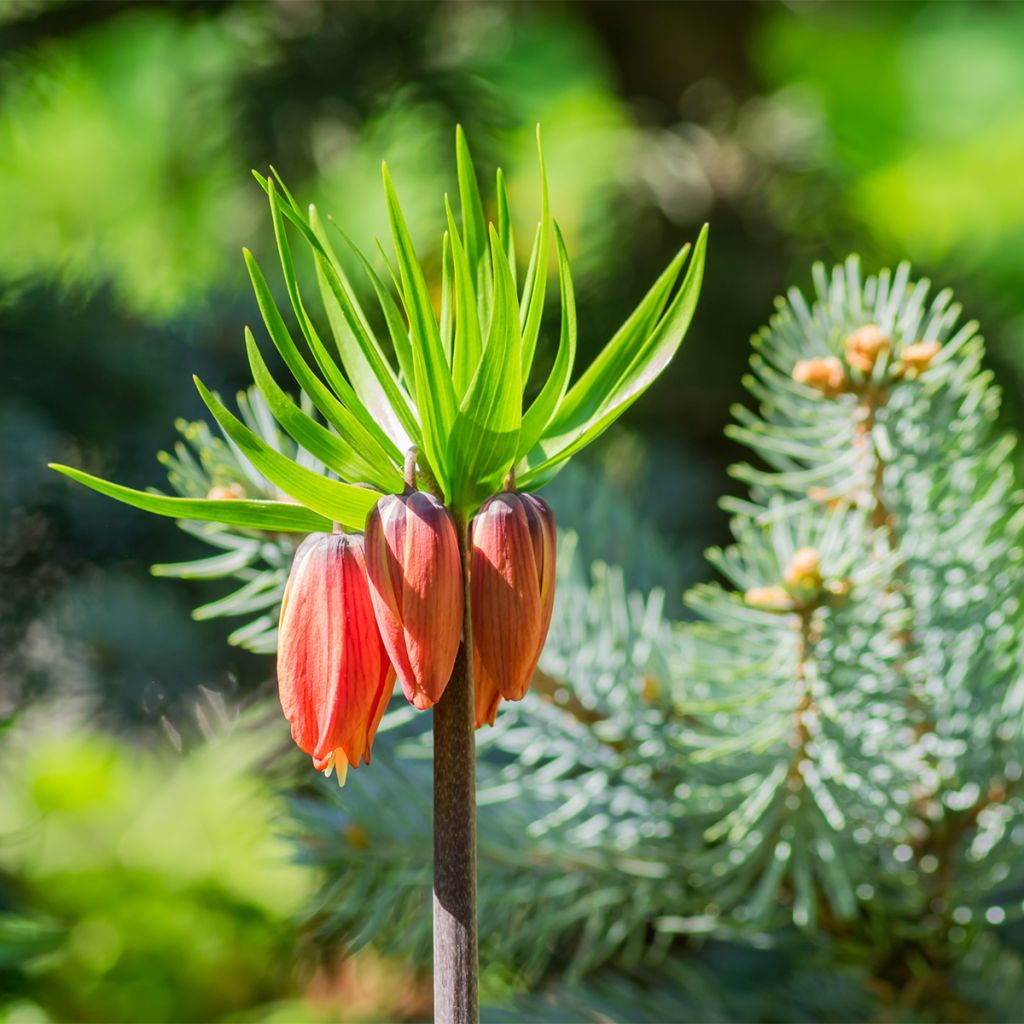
point(135, 802)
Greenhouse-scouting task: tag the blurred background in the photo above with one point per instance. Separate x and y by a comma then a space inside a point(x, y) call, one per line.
point(145, 871)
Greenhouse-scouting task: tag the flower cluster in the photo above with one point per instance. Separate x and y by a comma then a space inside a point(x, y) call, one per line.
point(448, 388)
point(361, 610)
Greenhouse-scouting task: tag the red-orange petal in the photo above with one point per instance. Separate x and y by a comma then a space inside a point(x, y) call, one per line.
point(513, 587)
point(332, 667)
point(412, 560)
point(486, 695)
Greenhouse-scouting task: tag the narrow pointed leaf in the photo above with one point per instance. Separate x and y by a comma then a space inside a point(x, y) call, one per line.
point(332, 450)
point(505, 225)
point(601, 401)
point(468, 340)
point(397, 327)
point(486, 431)
point(543, 408)
point(322, 251)
point(341, 503)
point(372, 420)
point(536, 284)
point(337, 414)
point(276, 516)
point(447, 299)
point(365, 363)
point(435, 394)
point(474, 223)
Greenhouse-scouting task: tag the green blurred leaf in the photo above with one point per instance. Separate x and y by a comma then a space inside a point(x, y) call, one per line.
point(277, 516)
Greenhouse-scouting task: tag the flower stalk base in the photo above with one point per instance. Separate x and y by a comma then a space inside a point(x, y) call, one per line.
point(455, 937)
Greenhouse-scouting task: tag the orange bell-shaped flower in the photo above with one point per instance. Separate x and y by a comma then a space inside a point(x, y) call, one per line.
point(512, 578)
point(333, 672)
point(412, 559)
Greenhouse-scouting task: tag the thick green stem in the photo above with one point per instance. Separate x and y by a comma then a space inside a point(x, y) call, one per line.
point(455, 945)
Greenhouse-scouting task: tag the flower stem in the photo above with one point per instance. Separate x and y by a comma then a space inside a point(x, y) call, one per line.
point(455, 946)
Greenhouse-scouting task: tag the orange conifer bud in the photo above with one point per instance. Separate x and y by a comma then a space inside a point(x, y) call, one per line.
point(512, 579)
point(333, 673)
point(771, 599)
point(226, 493)
point(804, 571)
point(918, 357)
point(823, 373)
point(865, 345)
point(412, 558)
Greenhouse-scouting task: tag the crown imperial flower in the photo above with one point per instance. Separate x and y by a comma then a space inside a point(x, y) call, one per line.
point(333, 673)
point(512, 579)
point(412, 558)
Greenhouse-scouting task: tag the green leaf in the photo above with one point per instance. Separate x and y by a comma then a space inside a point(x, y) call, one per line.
point(537, 275)
point(339, 417)
point(275, 516)
point(505, 223)
point(447, 301)
point(468, 340)
point(373, 423)
point(397, 327)
point(474, 223)
point(435, 394)
point(486, 431)
point(342, 503)
point(629, 364)
point(332, 450)
point(543, 408)
point(371, 374)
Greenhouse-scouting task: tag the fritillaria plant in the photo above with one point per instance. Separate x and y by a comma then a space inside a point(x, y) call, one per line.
point(427, 558)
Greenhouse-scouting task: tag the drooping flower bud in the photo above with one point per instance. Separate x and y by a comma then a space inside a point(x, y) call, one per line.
point(333, 673)
point(918, 357)
point(823, 373)
point(412, 558)
point(512, 579)
point(865, 345)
